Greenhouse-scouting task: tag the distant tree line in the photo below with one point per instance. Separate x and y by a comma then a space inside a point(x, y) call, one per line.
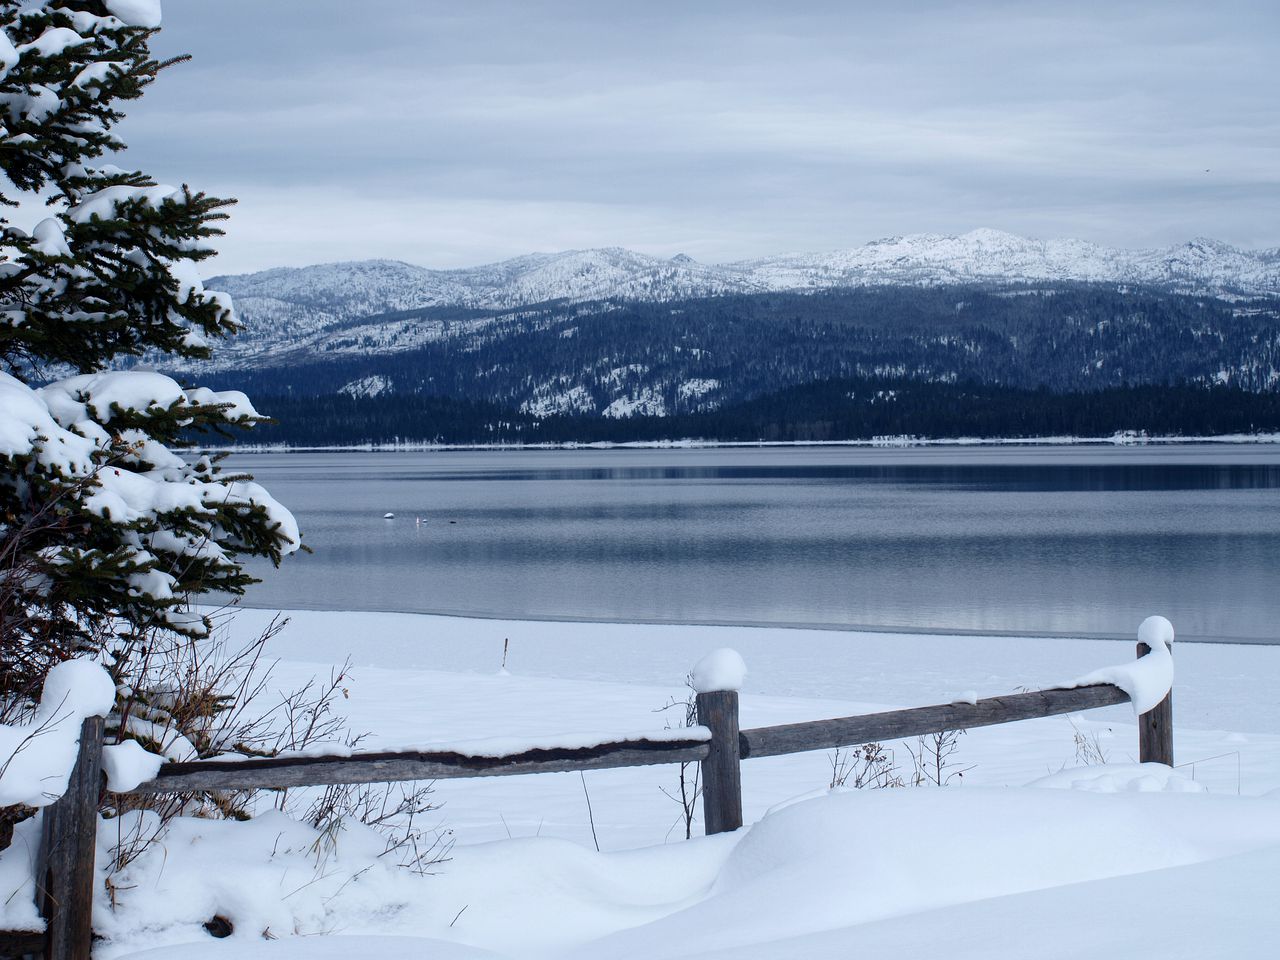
point(837, 409)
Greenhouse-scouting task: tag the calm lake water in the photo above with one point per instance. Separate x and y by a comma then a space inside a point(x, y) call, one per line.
point(1068, 541)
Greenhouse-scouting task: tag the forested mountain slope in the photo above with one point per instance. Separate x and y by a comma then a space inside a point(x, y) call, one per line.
point(619, 358)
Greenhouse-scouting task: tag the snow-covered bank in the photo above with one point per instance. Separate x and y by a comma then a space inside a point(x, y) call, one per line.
point(1004, 862)
point(1125, 439)
point(937, 867)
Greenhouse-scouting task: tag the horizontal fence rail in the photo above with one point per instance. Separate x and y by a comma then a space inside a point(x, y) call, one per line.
point(920, 721)
point(18, 943)
point(283, 772)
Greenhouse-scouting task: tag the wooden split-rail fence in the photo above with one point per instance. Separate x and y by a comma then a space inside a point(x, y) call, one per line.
point(66, 861)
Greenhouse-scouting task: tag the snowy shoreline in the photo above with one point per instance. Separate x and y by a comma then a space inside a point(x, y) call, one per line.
point(567, 866)
point(1219, 686)
point(1116, 440)
point(815, 625)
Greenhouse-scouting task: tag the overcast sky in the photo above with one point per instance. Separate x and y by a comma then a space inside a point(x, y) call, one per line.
point(449, 134)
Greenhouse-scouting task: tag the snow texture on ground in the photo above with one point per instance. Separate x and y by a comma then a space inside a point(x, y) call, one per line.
point(988, 867)
point(834, 863)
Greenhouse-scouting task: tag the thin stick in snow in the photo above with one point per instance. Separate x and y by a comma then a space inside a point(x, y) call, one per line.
point(590, 816)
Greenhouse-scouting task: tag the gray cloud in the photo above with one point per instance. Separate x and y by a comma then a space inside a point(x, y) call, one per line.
point(450, 134)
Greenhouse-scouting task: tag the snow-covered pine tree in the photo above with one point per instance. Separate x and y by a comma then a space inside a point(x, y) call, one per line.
point(104, 529)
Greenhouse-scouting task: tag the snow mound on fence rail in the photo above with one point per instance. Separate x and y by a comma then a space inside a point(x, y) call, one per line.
point(1147, 680)
point(128, 764)
point(36, 757)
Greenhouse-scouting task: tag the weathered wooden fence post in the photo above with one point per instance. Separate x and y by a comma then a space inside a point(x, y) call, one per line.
point(1155, 727)
point(67, 851)
point(722, 769)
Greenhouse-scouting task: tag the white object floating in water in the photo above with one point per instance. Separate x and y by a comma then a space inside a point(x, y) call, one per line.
point(388, 516)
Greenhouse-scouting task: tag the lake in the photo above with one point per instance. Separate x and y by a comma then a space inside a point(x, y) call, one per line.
point(1080, 541)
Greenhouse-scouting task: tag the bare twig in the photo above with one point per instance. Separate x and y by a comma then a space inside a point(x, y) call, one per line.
point(590, 816)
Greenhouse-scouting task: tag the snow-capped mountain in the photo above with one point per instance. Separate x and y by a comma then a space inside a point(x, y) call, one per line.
point(1200, 266)
point(370, 287)
point(313, 309)
point(616, 333)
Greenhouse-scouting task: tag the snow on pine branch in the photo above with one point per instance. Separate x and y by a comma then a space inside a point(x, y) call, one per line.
point(120, 202)
point(136, 13)
point(55, 42)
point(109, 523)
point(72, 432)
point(106, 396)
point(113, 233)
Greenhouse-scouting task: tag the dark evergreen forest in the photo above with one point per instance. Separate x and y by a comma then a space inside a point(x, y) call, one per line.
point(1078, 359)
point(1066, 338)
point(844, 409)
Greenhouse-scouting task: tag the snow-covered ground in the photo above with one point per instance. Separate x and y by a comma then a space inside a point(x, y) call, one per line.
point(1127, 861)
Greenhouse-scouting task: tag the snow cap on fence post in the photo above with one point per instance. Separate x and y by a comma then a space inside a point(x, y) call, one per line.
point(1152, 674)
point(1155, 722)
point(719, 670)
point(129, 764)
point(1155, 632)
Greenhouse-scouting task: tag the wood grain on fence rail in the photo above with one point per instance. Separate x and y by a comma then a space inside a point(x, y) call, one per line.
point(284, 772)
point(919, 721)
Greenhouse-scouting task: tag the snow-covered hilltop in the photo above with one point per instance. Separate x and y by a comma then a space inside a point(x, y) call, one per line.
point(1199, 266)
point(618, 333)
point(366, 288)
point(369, 287)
